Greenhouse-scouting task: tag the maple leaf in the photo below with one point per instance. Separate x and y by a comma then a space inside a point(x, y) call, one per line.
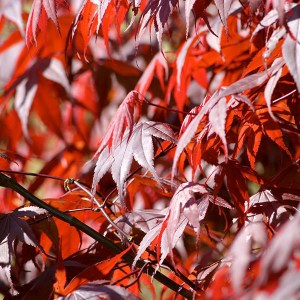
point(286, 242)
point(94, 272)
point(184, 209)
point(144, 219)
point(237, 87)
point(241, 253)
point(99, 290)
point(223, 7)
point(125, 117)
point(188, 8)
point(94, 14)
point(137, 143)
point(156, 12)
point(12, 10)
point(14, 228)
point(159, 66)
point(271, 84)
point(291, 47)
point(27, 85)
point(41, 11)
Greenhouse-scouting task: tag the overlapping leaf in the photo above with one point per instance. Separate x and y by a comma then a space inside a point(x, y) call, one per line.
point(184, 209)
point(12, 10)
point(291, 47)
point(13, 229)
point(41, 11)
point(136, 143)
point(94, 14)
point(239, 86)
point(241, 251)
point(99, 290)
point(128, 114)
point(27, 85)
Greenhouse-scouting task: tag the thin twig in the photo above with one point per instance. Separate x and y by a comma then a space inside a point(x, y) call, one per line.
point(100, 206)
point(8, 182)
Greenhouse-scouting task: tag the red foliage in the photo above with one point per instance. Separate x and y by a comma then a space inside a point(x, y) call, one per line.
point(180, 121)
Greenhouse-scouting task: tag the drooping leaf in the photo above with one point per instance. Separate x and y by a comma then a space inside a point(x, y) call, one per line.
point(157, 13)
point(136, 144)
point(241, 251)
point(239, 86)
point(223, 8)
point(41, 11)
point(25, 93)
point(96, 14)
point(100, 290)
point(126, 116)
point(13, 228)
point(291, 47)
point(12, 10)
point(217, 119)
point(158, 66)
point(286, 242)
point(184, 209)
point(188, 8)
point(271, 84)
point(97, 271)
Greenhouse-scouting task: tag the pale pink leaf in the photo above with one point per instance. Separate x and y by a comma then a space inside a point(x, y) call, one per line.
point(217, 119)
point(270, 86)
point(241, 252)
point(270, 18)
point(195, 211)
point(102, 7)
point(291, 45)
point(25, 93)
point(223, 7)
point(244, 99)
point(159, 11)
point(97, 290)
point(188, 7)
point(12, 10)
point(56, 73)
point(126, 116)
point(239, 86)
point(169, 242)
point(182, 198)
point(137, 145)
point(181, 59)
point(146, 241)
point(283, 245)
point(273, 41)
point(157, 62)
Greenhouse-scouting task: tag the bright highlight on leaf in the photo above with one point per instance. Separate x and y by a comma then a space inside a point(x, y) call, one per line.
point(137, 143)
point(184, 112)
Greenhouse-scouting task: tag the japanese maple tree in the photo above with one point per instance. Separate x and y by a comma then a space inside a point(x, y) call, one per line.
point(149, 149)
